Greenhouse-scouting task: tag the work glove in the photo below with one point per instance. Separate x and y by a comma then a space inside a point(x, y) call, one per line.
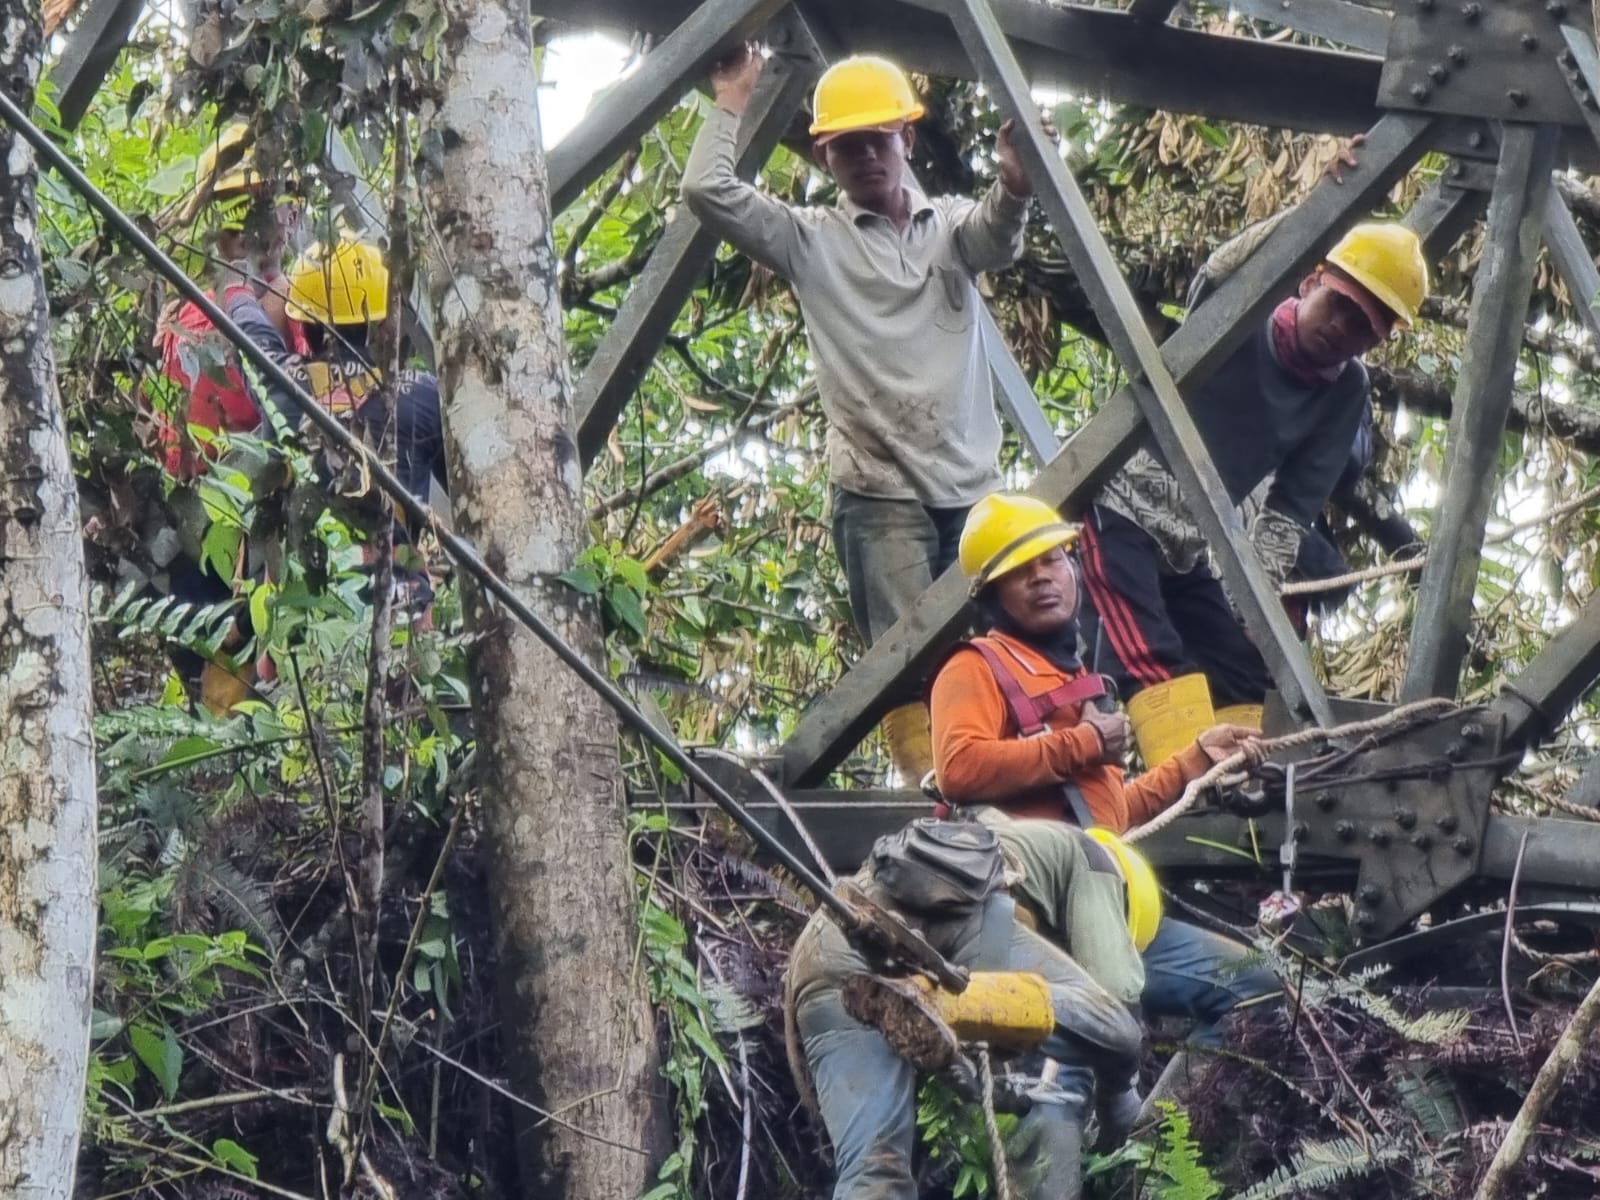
point(1114, 729)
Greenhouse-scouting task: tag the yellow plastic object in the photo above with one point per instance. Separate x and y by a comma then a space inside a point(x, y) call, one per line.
point(1144, 893)
point(1248, 715)
point(909, 732)
point(1387, 260)
point(1010, 1010)
point(1168, 716)
point(1005, 530)
point(221, 689)
point(863, 92)
point(347, 285)
point(226, 165)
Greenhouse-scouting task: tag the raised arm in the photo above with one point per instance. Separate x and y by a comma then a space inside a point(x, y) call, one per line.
point(989, 233)
point(243, 306)
point(752, 222)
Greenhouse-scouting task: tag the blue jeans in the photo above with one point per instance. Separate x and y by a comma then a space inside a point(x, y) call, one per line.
point(867, 1093)
point(891, 552)
point(1191, 972)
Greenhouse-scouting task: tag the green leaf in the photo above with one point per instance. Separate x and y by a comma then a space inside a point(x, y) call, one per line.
point(581, 579)
point(159, 1051)
point(623, 604)
point(631, 572)
point(260, 607)
point(235, 1157)
point(171, 181)
point(188, 750)
point(103, 1025)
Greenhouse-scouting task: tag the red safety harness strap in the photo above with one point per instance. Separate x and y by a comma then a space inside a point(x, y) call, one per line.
point(1031, 713)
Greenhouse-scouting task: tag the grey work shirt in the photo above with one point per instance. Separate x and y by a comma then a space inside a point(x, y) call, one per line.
point(891, 315)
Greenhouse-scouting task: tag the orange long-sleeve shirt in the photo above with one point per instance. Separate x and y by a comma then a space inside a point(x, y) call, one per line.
point(981, 760)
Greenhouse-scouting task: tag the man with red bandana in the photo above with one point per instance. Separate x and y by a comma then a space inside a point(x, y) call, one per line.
point(1286, 405)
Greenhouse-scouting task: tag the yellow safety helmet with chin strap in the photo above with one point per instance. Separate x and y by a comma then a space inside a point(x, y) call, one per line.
point(1144, 893)
point(1387, 260)
point(1005, 530)
point(347, 285)
point(864, 92)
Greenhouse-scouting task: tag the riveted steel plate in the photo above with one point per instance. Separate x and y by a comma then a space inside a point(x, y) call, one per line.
point(1481, 58)
point(1412, 811)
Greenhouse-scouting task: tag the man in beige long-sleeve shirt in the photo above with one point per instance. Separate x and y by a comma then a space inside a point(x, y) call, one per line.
point(887, 283)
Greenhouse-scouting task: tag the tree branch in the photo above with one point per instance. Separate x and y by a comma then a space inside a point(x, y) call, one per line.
point(1545, 1086)
point(1578, 426)
point(674, 471)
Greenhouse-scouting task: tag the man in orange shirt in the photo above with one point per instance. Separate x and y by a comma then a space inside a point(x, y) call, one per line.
point(1018, 734)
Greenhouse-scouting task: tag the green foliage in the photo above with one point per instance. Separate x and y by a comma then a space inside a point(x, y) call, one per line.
point(1169, 1165)
point(691, 1049)
point(952, 1130)
point(1323, 1164)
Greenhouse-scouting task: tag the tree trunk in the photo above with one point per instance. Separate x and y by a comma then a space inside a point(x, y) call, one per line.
point(577, 1022)
point(47, 782)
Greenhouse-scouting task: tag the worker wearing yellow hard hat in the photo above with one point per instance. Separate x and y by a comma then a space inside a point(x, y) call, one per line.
point(1033, 744)
point(887, 282)
point(1280, 419)
point(336, 295)
point(858, 1035)
point(249, 223)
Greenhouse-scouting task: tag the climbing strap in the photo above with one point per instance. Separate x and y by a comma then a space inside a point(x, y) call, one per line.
point(1030, 714)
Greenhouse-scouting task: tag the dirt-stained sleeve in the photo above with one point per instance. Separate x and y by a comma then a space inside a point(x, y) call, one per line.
point(765, 229)
point(981, 761)
point(1158, 788)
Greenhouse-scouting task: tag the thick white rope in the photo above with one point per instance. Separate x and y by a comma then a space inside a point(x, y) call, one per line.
point(997, 1146)
point(1232, 764)
point(1311, 587)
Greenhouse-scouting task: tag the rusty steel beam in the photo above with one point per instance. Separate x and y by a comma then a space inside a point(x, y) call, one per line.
point(90, 53)
point(1500, 295)
point(628, 108)
point(1098, 52)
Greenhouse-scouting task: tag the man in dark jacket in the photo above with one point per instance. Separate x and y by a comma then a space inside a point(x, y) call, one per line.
point(1287, 404)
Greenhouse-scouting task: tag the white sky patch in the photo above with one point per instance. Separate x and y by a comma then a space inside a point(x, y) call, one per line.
point(575, 68)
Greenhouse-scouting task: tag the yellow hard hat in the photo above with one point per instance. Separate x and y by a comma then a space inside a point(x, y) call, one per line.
point(1144, 894)
point(348, 285)
point(863, 92)
point(1004, 531)
point(1386, 259)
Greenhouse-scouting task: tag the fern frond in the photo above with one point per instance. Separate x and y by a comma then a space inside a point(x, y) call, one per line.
point(1323, 1164)
point(134, 610)
point(1430, 1096)
point(1177, 1157)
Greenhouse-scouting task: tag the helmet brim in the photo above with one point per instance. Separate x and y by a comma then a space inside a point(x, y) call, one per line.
point(884, 120)
point(1025, 550)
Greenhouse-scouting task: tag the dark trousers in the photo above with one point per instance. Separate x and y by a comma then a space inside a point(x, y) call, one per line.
point(891, 552)
point(1149, 626)
point(418, 436)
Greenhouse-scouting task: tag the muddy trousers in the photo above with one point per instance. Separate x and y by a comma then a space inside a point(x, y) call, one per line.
point(867, 1093)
